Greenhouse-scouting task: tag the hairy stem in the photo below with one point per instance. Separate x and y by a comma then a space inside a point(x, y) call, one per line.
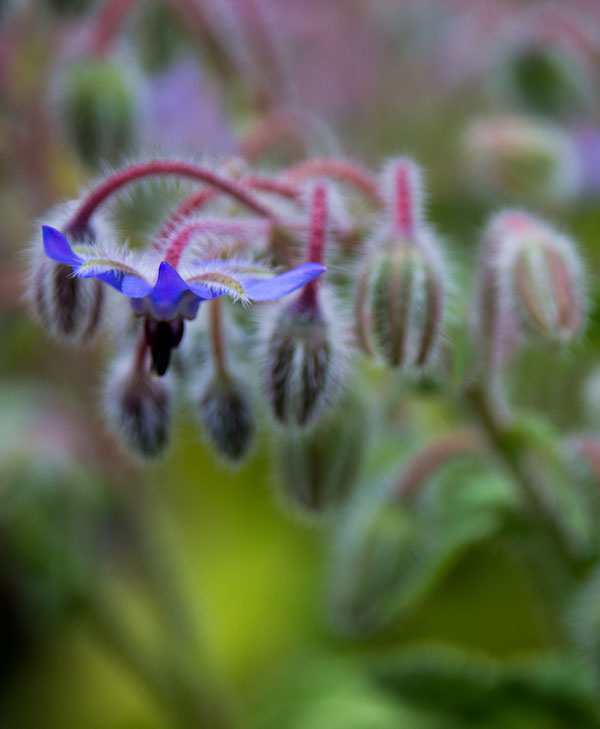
point(158, 168)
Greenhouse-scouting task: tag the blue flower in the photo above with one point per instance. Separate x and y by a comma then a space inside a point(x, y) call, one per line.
point(160, 293)
point(171, 295)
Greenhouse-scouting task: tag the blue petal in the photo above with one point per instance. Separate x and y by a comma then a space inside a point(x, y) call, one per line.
point(57, 247)
point(284, 283)
point(135, 287)
point(112, 278)
point(167, 291)
point(205, 292)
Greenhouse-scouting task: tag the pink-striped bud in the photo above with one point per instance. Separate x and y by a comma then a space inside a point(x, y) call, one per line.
point(539, 274)
point(401, 292)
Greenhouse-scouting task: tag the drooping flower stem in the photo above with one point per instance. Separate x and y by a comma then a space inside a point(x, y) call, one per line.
point(197, 200)
point(160, 168)
point(317, 242)
point(184, 236)
point(217, 339)
point(336, 169)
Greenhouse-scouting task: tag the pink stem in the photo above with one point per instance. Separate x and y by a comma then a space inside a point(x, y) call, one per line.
point(115, 182)
point(337, 169)
point(317, 242)
point(268, 184)
point(198, 199)
point(404, 201)
point(186, 234)
point(434, 456)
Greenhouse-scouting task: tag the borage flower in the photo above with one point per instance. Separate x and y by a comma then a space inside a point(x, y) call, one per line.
point(166, 296)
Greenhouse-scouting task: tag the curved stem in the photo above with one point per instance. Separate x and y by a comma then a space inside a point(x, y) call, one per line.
point(317, 243)
point(433, 456)
point(155, 168)
point(337, 169)
point(186, 234)
point(197, 200)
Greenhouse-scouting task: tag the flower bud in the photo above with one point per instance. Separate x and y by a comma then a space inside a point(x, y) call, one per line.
point(521, 156)
point(303, 360)
point(226, 413)
point(399, 304)
point(540, 275)
point(70, 307)
point(138, 406)
point(375, 545)
point(317, 468)
point(98, 110)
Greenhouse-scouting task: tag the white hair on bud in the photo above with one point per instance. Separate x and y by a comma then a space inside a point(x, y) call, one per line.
point(137, 406)
point(73, 316)
point(510, 232)
point(326, 388)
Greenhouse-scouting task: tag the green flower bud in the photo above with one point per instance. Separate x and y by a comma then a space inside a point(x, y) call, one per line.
point(375, 545)
point(400, 305)
point(98, 109)
point(138, 406)
point(304, 360)
point(540, 275)
point(317, 468)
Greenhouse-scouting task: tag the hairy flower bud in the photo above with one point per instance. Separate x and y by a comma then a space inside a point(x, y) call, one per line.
point(304, 360)
point(399, 304)
point(540, 274)
point(137, 405)
point(70, 307)
point(317, 468)
point(375, 544)
point(98, 109)
point(226, 413)
point(521, 156)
